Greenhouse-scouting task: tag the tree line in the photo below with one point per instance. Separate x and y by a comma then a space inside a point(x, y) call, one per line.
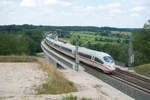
point(25, 42)
point(18, 28)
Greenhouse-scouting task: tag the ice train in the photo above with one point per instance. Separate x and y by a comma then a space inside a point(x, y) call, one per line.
point(94, 58)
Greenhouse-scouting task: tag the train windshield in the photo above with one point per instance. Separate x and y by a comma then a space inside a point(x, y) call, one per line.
point(108, 59)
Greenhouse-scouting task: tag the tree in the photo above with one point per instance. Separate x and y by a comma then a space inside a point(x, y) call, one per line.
point(141, 44)
point(33, 37)
point(12, 44)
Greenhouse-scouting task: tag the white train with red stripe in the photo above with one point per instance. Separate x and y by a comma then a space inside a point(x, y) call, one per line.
point(97, 59)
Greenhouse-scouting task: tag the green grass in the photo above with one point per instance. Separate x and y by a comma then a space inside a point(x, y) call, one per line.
point(56, 83)
point(86, 98)
point(71, 97)
point(17, 59)
point(143, 70)
point(71, 83)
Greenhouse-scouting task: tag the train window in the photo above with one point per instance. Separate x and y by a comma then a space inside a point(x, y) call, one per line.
point(47, 43)
point(57, 45)
point(98, 60)
point(85, 55)
point(108, 59)
point(67, 49)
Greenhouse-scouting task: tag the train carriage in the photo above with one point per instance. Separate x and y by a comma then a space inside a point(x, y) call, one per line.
point(97, 59)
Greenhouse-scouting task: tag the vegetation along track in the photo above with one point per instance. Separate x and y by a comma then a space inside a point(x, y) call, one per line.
point(133, 80)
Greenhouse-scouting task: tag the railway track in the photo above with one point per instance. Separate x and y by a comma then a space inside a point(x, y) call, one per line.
point(140, 77)
point(133, 80)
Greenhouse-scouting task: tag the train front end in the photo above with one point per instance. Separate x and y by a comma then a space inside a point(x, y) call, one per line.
point(109, 64)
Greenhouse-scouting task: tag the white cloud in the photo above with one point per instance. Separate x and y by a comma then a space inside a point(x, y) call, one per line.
point(57, 2)
point(134, 14)
point(104, 7)
point(93, 8)
point(28, 3)
point(140, 2)
point(50, 2)
point(67, 13)
point(111, 8)
point(113, 12)
point(6, 3)
point(113, 5)
point(138, 8)
point(35, 3)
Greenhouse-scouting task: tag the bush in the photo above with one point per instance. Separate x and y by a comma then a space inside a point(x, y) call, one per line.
point(86, 98)
point(70, 97)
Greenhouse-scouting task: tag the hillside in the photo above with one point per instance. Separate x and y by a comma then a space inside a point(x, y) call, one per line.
point(143, 70)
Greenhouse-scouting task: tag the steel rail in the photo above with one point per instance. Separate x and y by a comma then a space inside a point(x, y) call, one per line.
point(140, 77)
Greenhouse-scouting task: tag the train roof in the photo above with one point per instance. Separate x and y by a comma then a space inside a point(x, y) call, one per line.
point(67, 45)
point(81, 49)
point(92, 52)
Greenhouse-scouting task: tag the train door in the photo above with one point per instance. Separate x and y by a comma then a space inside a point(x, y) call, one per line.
point(93, 58)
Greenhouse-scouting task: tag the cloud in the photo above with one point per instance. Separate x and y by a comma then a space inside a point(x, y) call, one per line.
point(67, 13)
point(140, 2)
point(6, 3)
point(28, 3)
point(35, 3)
point(111, 8)
point(113, 12)
point(113, 5)
point(138, 8)
point(94, 8)
point(57, 2)
point(116, 11)
point(134, 14)
point(104, 7)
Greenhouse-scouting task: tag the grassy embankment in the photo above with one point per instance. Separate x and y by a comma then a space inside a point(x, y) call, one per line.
point(17, 59)
point(143, 70)
point(56, 83)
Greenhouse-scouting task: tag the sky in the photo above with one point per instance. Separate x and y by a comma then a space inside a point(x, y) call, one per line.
point(113, 13)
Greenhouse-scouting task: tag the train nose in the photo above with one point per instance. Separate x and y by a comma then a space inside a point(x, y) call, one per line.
point(112, 66)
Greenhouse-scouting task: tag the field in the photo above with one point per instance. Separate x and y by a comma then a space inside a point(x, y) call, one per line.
point(95, 38)
point(120, 32)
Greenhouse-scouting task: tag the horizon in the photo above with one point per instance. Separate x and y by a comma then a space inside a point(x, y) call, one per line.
point(69, 26)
